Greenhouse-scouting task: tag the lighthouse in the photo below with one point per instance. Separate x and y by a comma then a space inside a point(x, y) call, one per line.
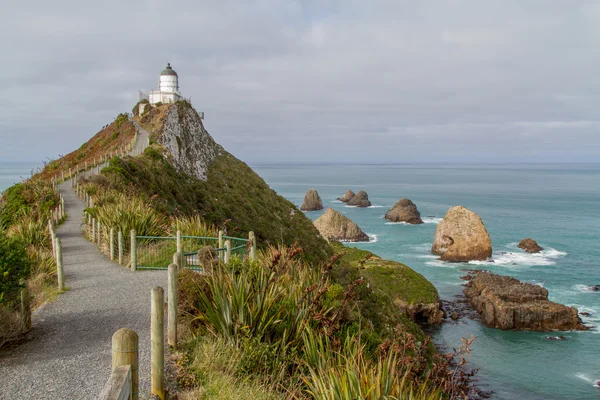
point(168, 87)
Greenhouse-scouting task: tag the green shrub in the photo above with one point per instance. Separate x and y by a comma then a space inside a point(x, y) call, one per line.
point(14, 267)
point(115, 135)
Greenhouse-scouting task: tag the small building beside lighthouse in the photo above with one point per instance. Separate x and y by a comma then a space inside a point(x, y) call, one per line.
point(168, 87)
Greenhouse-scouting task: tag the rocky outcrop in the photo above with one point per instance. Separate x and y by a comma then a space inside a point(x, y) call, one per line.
point(530, 246)
point(360, 200)
point(334, 226)
point(404, 211)
point(506, 303)
point(191, 147)
point(347, 196)
point(461, 237)
point(312, 201)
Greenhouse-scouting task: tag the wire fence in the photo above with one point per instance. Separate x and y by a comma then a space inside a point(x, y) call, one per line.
point(155, 252)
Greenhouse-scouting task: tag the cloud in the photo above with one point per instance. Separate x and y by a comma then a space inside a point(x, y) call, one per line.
point(314, 80)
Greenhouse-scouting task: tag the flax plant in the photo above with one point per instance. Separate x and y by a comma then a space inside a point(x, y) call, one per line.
point(345, 372)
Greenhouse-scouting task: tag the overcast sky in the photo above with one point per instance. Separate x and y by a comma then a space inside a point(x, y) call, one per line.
point(314, 80)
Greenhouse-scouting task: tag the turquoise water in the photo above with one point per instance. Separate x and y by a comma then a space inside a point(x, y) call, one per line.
point(559, 206)
point(11, 173)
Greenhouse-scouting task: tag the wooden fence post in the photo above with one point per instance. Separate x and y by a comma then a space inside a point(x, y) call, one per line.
point(93, 230)
point(221, 252)
point(157, 338)
point(172, 301)
point(177, 259)
point(111, 246)
point(252, 238)
point(121, 246)
point(59, 266)
point(227, 251)
point(26, 307)
point(179, 243)
point(125, 352)
point(52, 236)
point(99, 233)
point(133, 255)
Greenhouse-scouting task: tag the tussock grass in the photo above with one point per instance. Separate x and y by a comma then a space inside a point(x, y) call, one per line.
point(217, 367)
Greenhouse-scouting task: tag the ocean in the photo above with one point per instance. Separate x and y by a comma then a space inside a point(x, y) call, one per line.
point(14, 172)
point(557, 205)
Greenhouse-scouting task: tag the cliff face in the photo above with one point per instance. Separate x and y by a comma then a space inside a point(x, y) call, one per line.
point(190, 145)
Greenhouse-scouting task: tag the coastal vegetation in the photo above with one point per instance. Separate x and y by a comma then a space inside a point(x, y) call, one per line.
point(26, 257)
point(291, 331)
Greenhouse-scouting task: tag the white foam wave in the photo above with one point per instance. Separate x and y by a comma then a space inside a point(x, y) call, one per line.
point(336, 201)
point(373, 238)
point(444, 264)
point(584, 289)
point(428, 256)
point(545, 257)
point(585, 377)
point(375, 207)
point(432, 220)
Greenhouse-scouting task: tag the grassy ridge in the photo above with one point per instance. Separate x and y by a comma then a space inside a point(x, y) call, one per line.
point(234, 197)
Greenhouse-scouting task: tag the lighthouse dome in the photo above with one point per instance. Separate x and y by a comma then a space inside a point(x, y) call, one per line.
point(168, 71)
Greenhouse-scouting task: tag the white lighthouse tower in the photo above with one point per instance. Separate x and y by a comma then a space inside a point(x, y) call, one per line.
point(168, 87)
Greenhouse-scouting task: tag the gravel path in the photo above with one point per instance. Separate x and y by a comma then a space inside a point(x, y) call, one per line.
point(68, 353)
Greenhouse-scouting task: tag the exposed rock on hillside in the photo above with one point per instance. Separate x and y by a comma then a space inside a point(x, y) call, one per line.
point(312, 201)
point(506, 303)
point(347, 196)
point(404, 211)
point(190, 145)
point(461, 237)
point(360, 200)
point(530, 246)
point(334, 226)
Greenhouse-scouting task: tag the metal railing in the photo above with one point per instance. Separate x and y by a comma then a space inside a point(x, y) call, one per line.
point(156, 252)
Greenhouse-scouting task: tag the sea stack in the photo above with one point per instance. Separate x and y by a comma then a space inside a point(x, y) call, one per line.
point(334, 226)
point(506, 303)
point(530, 246)
point(312, 201)
point(461, 237)
point(360, 200)
point(347, 196)
point(404, 211)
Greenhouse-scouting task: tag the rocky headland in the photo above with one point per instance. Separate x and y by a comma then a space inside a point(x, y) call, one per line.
point(404, 211)
point(312, 201)
point(461, 237)
point(506, 303)
point(347, 196)
point(530, 246)
point(360, 200)
point(334, 226)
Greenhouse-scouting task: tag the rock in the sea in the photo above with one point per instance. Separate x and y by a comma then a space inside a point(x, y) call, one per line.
point(461, 236)
point(334, 226)
point(530, 246)
point(360, 200)
point(347, 196)
point(556, 337)
point(312, 201)
point(506, 303)
point(404, 211)
point(585, 314)
point(454, 315)
point(595, 288)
